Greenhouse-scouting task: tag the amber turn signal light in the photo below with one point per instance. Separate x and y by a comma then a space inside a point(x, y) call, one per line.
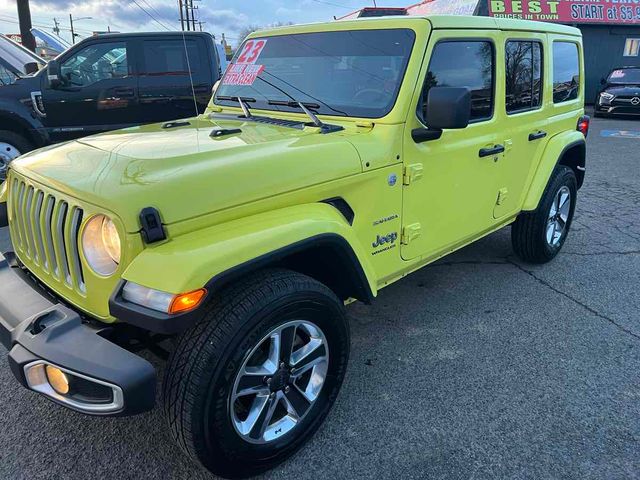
point(187, 301)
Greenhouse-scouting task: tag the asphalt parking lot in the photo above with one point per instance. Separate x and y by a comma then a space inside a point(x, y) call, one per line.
point(476, 367)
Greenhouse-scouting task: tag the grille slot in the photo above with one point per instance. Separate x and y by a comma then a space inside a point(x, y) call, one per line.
point(46, 231)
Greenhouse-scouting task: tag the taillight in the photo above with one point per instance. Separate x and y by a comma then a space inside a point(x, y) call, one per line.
point(583, 125)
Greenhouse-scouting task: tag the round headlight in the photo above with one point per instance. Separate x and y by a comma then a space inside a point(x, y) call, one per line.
point(101, 245)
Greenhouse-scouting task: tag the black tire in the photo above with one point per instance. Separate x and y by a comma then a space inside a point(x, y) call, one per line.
point(201, 373)
point(529, 231)
point(15, 140)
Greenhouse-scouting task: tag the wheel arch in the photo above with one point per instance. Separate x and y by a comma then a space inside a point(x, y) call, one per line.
point(327, 258)
point(567, 148)
point(13, 122)
point(574, 156)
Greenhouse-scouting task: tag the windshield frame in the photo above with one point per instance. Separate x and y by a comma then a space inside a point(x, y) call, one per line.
point(299, 93)
point(623, 81)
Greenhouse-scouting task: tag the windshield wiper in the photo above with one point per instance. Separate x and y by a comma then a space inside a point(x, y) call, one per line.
point(242, 101)
point(305, 108)
point(304, 93)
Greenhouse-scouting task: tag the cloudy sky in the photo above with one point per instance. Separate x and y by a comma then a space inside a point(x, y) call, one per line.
point(228, 16)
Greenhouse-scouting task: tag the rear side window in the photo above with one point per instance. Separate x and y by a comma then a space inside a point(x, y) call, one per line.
point(523, 67)
point(168, 57)
point(566, 72)
point(464, 64)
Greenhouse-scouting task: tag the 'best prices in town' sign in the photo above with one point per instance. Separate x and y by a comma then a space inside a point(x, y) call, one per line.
point(568, 11)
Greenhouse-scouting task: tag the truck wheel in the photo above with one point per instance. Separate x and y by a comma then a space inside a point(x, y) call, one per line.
point(538, 236)
point(251, 382)
point(12, 146)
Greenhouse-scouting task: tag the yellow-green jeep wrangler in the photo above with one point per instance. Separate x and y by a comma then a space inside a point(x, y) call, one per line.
point(333, 160)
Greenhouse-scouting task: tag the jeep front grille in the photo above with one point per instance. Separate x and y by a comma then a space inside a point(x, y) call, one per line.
point(46, 231)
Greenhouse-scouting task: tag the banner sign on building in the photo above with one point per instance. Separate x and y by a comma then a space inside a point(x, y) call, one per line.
point(444, 7)
point(568, 11)
point(16, 37)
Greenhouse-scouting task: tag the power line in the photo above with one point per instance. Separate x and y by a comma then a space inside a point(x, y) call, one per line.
point(158, 14)
point(151, 16)
point(46, 26)
point(333, 4)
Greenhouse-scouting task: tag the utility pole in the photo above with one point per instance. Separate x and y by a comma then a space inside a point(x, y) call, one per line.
point(73, 35)
point(181, 15)
point(193, 15)
point(200, 24)
point(24, 19)
point(186, 13)
point(56, 28)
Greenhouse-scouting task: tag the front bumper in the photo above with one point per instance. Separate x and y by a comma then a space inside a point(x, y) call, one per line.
point(38, 330)
point(618, 107)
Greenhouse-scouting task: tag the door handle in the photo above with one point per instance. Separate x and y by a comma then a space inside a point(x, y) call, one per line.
point(491, 151)
point(537, 136)
point(198, 89)
point(124, 92)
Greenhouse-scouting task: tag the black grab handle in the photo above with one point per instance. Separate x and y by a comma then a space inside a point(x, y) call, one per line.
point(537, 135)
point(491, 151)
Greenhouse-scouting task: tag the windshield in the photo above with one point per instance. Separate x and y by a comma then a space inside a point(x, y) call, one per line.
point(625, 75)
point(52, 41)
point(352, 73)
point(16, 55)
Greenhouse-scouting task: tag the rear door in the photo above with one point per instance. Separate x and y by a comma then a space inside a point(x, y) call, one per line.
point(170, 78)
point(526, 108)
point(100, 94)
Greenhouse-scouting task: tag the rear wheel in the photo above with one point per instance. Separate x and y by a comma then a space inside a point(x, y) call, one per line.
point(253, 380)
point(538, 236)
point(12, 145)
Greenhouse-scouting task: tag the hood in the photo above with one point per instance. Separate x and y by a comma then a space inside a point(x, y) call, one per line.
point(186, 173)
point(21, 87)
point(626, 90)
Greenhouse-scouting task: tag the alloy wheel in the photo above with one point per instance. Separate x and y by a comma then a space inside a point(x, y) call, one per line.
point(279, 382)
point(8, 152)
point(558, 216)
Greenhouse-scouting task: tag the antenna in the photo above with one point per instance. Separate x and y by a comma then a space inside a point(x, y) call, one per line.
point(193, 92)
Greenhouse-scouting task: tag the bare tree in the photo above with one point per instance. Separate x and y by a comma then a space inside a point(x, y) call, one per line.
point(249, 29)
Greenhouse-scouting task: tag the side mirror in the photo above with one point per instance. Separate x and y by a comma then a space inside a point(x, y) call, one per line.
point(31, 67)
point(54, 74)
point(446, 108)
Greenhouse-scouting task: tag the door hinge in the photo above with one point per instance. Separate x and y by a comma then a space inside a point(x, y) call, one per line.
point(508, 145)
point(503, 193)
point(412, 173)
point(409, 233)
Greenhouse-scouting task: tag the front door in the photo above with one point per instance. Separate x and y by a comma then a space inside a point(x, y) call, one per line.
point(449, 191)
point(527, 133)
point(100, 92)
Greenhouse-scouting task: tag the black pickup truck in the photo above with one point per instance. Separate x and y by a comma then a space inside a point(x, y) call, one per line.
point(104, 83)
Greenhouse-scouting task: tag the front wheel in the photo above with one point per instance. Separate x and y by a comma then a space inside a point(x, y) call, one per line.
point(538, 236)
point(253, 380)
point(12, 146)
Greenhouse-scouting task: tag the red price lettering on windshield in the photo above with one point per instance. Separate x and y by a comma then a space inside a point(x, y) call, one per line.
point(251, 51)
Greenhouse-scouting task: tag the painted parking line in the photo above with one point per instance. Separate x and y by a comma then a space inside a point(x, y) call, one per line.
point(620, 133)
